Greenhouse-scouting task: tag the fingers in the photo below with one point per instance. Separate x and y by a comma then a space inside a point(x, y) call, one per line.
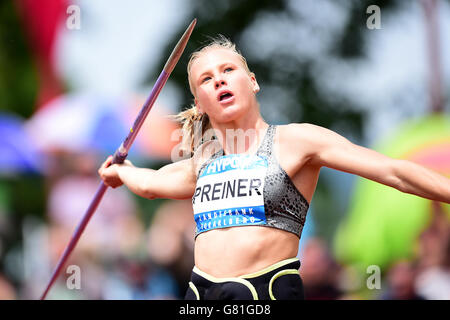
point(103, 172)
point(108, 161)
point(108, 173)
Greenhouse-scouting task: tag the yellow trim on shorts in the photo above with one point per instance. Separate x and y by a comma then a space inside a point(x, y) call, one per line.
point(269, 268)
point(232, 279)
point(276, 276)
point(194, 288)
point(242, 279)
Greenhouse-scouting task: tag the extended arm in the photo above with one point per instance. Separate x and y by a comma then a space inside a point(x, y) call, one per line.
point(173, 181)
point(334, 151)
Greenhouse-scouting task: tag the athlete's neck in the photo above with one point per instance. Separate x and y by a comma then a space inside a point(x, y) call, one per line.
point(241, 136)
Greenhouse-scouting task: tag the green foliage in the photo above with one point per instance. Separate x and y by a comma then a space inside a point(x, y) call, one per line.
point(18, 79)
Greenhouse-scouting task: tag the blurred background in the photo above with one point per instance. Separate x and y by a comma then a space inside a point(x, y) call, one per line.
point(74, 75)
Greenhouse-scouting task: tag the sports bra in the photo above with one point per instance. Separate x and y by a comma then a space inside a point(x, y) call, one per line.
point(240, 190)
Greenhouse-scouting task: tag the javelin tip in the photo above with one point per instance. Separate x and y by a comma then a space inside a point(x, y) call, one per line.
point(179, 48)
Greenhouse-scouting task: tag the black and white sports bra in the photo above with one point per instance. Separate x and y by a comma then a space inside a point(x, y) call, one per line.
point(247, 190)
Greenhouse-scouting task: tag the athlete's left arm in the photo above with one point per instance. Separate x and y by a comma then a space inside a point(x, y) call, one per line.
point(330, 149)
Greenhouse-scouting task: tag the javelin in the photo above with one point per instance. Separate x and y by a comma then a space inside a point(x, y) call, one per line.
point(122, 152)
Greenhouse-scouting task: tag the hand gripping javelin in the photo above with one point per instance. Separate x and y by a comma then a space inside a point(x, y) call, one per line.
point(122, 152)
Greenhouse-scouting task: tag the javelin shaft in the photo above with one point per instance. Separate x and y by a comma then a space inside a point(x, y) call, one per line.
point(76, 236)
point(122, 152)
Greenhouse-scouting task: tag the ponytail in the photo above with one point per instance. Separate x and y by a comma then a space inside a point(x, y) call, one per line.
point(195, 124)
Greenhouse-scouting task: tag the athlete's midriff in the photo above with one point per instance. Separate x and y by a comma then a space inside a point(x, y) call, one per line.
point(235, 251)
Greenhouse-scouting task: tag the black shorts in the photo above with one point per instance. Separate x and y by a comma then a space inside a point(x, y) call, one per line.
point(280, 281)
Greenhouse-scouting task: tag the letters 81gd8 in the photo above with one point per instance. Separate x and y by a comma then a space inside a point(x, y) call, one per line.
point(244, 309)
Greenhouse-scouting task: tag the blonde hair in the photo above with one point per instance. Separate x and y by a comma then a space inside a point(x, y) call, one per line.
point(195, 124)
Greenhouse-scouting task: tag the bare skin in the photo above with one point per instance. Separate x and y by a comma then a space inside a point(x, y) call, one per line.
point(301, 150)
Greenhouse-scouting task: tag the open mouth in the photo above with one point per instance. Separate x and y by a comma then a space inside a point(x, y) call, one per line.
point(225, 96)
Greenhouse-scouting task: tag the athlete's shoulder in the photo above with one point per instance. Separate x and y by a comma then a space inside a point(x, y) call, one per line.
point(302, 126)
point(304, 138)
point(313, 138)
point(300, 131)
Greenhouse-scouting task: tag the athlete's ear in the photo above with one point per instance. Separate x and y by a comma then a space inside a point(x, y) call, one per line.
point(254, 82)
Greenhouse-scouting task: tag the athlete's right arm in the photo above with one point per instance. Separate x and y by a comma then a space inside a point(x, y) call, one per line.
point(173, 181)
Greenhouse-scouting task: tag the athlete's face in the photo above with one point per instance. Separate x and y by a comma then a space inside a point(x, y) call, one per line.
point(223, 88)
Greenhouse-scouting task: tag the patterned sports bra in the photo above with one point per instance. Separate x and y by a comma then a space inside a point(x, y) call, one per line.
point(247, 190)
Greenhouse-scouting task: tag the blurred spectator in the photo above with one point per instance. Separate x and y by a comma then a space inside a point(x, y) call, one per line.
point(171, 240)
point(433, 281)
point(319, 271)
point(7, 291)
point(132, 279)
point(400, 282)
point(350, 282)
point(113, 227)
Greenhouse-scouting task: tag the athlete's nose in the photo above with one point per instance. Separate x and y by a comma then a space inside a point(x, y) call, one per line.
point(219, 83)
